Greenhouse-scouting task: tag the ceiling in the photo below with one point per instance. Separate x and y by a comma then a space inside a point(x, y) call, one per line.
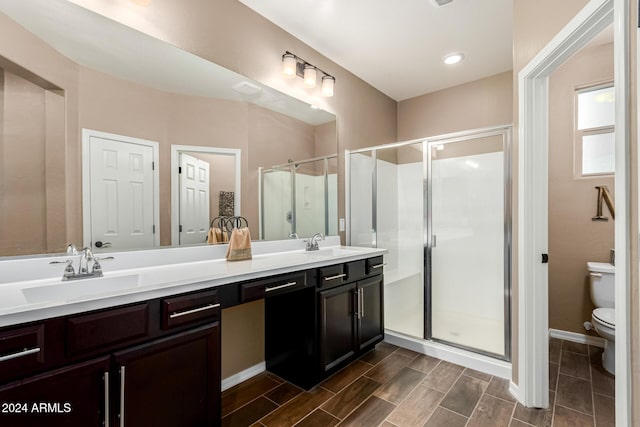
point(398, 46)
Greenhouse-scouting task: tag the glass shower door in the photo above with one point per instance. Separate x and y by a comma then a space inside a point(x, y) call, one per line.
point(400, 230)
point(387, 211)
point(277, 214)
point(468, 283)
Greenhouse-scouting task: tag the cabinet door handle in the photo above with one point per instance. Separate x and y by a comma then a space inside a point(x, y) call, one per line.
point(379, 265)
point(18, 354)
point(337, 276)
point(361, 301)
point(286, 285)
point(121, 396)
point(195, 310)
point(106, 399)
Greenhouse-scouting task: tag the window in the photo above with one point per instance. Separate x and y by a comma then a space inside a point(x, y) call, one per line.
point(595, 132)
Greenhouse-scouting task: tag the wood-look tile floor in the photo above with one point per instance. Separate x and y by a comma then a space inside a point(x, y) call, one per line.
point(391, 386)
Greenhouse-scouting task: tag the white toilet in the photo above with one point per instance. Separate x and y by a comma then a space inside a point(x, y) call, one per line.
point(603, 318)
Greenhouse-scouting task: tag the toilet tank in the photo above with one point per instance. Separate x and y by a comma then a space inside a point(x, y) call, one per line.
point(602, 284)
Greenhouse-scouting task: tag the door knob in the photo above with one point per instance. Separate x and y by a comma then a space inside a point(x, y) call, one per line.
point(100, 244)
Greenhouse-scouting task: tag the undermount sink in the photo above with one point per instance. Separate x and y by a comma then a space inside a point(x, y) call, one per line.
point(333, 252)
point(79, 289)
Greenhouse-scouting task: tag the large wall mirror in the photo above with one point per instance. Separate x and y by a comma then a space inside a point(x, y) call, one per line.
point(100, 125)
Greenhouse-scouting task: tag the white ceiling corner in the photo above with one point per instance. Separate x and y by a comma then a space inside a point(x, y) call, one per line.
point(398, 46)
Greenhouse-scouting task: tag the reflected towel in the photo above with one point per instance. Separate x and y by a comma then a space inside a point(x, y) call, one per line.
point(239, 245)
point(216, 236)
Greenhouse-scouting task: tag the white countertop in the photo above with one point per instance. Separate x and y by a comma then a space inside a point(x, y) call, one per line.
point(33, 300)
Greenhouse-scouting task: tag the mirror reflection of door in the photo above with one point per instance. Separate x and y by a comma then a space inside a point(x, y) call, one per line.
point(205, 184)
point(119, 196)
point(194, 199)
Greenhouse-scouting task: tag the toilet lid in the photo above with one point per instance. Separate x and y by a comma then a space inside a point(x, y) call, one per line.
point(606, 316)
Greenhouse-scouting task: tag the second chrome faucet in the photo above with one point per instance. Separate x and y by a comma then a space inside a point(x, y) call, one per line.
point(312, 243)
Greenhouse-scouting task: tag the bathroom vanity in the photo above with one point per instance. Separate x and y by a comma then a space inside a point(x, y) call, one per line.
point(150, 354)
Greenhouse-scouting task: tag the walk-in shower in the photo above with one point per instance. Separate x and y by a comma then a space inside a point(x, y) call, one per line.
point(299, 198)
point(441, 206)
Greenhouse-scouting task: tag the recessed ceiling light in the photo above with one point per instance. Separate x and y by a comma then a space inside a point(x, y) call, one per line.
point(453, 58)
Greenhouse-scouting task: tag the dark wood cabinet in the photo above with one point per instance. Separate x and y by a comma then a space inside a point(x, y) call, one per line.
point(351, 320)
point(305, 345)
point(76, 395)
point(172, 381)
point(337, 325)
point(370, 311)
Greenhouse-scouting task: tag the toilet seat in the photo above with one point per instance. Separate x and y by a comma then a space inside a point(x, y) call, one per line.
point(606, 316)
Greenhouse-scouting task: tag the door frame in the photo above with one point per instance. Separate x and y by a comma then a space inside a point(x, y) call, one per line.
point(533, 104)
point(87, 134)
point(175, 184)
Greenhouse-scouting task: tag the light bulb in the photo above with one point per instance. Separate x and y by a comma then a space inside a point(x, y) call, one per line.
point(328, 83)
point(289, 65)
point(310, 76)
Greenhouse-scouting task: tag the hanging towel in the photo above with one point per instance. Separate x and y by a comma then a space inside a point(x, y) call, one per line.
point(216, 236)
point(239, 245)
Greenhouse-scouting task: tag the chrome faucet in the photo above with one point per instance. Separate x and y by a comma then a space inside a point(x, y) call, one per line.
point(312, 244)
point(86, 256)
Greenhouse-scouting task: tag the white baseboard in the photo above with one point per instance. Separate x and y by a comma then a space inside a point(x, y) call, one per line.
point(514, 390)
point(498, 368)
point(575, 337)
point(243, 375)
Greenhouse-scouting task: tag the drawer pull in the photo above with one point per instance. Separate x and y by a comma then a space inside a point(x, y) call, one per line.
point(22, 353)
point(337, 276)
point(596, 274)
point(195, 310)
point(286, 285)
point(379, 265)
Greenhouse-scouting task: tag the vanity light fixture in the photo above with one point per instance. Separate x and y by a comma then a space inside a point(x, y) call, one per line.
point(310, 76)
point(293, 65)
point(453, 58)
point(327, 85)
point(289, 65)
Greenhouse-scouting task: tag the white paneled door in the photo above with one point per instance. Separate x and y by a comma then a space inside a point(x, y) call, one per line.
point(194, 200)
point(121, 193)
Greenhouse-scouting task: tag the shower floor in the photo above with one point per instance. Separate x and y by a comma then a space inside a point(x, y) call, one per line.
point(468, 330)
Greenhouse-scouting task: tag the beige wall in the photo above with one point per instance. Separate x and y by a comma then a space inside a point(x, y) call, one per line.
point(477, 104)
point(574, 238)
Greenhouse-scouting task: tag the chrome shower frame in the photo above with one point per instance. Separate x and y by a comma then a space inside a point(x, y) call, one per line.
point(506, 132)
